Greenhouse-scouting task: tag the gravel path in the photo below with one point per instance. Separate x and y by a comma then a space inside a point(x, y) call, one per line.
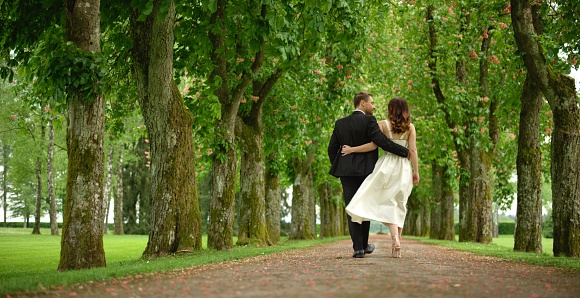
point(329, 271)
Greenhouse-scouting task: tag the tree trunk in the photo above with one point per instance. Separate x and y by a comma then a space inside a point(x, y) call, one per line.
point(175, 214)
point(560, 92)
point(82, 233)
point(131, 195)
point(528, 233)
point(107, 191)
point(339, 219)
point(482, 159)
point(273, 203)
point(446, 230)
point(326, 211)
point(118, 210)
point(437, 177)
point(252, 215)
point(412, 218)
point(481, 196)
point(223, 179)
point(50, 178)
point(26, 213)
point(38, 205)
point(224, 157)
point(425, 220)
point(495, 220)
point(5, 167)
point(301, 198)
point(468, 218)
point(465, 209)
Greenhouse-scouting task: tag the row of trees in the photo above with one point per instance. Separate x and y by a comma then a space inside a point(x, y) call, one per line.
point(246, 92)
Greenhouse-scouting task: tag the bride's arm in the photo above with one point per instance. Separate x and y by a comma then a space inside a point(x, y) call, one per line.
point(346, 149)
point(414, 154)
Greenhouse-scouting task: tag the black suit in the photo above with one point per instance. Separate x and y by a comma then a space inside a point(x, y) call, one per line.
point(355, 130)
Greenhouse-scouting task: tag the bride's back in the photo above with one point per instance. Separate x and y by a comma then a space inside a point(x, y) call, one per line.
point(385, 128)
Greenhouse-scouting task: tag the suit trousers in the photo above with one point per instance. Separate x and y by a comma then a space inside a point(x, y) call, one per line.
point(359, 233)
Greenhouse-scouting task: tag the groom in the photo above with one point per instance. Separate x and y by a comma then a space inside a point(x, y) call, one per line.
point(358, 129)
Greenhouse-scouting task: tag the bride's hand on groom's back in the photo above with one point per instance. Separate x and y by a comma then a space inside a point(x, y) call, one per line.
point(346, 150)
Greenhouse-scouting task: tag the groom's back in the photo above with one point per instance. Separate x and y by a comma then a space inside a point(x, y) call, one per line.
point(353, 130)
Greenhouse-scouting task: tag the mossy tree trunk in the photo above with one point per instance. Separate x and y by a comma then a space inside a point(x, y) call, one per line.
point(482, 156)
point(435, 201)
point(82, 233)
point(118, 209)
point(412, 218)
point(560, 92)
point(340, 221)
point(50, 177)
point(301, 197)
point(425, 220)
point(253, 227)
point(38, 205)
point(446, 230)
point(466, 232)
point(273, 203)
point(528, 234)
point(328, 214)
point(224, 157)
point(481, 216)
point(252, 213)
point(175, 214)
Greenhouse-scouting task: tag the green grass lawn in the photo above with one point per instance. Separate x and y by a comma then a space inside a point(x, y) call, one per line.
point(503, 247)
point(29, 262)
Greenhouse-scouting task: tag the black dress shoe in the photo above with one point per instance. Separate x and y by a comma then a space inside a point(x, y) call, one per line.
point(370, 248)
point(359, 254)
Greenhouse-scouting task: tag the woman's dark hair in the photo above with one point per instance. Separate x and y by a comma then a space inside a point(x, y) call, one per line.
point(399, 115)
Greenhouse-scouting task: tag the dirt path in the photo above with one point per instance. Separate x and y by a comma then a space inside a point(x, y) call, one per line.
point(329, 271)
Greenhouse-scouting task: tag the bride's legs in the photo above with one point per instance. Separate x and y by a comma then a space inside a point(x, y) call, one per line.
point(395, 236)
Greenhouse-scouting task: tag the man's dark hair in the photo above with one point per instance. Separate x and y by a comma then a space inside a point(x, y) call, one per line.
point(361, 96)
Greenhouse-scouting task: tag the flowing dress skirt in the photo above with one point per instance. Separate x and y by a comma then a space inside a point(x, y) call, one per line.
point(383, 195)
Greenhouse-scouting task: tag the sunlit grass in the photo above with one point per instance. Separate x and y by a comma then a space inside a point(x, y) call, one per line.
point(503, 247)
point(29, 262)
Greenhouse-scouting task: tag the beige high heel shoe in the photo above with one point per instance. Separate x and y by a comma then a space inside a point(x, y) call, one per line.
point(396, 249)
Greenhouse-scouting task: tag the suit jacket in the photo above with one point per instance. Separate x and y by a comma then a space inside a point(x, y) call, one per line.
point(355, 130)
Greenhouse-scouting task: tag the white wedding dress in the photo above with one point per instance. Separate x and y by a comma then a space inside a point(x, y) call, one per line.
point(383, 195)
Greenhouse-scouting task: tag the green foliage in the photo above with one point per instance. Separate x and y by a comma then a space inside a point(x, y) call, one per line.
point(21, 30)
point(60, 67)
point(560, 36)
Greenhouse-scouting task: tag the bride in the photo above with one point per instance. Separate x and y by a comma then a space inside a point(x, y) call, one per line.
point(383, 195)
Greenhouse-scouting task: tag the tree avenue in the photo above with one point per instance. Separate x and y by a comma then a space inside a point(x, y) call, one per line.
point(212, 110)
